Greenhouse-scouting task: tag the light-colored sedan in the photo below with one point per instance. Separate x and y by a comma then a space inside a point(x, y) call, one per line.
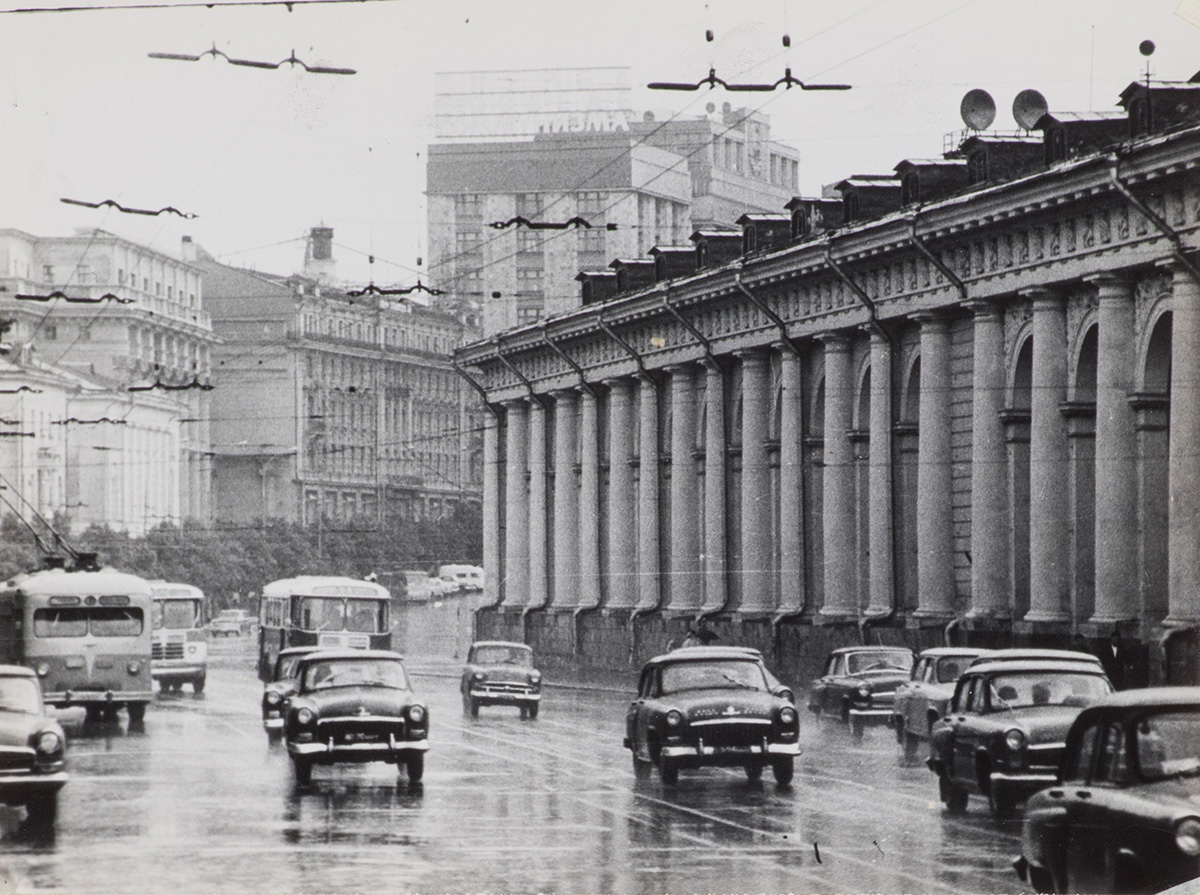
point(922, 700)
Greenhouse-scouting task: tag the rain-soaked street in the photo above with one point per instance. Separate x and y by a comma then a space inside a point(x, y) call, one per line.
point(199, 802)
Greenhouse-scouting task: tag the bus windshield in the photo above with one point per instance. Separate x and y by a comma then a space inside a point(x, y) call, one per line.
point(176, 615)
point(99, 621)
point(337, 614)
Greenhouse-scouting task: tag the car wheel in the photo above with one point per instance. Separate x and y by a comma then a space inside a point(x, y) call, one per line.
point(1041, 880)
point(856, 729)
point(42, 811)
point(641, 769)
point(524, 710)
point(783, 768)
point(533, 711)
point(898, 724)
point(415, 766)
point(137, 712)
point(473, 707)
point(303, 770)
point(669, 771)
point(1001, 802)
point(953, 796)
point(198, 684)
point(912, 745)
point(754, 771)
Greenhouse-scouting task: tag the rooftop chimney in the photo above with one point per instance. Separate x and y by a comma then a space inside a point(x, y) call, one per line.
point(187, 249)
point(318, 254)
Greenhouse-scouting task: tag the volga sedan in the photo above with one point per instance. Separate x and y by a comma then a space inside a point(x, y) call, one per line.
point(32, 748)
point(711, 706)
point(1124, 815)
point(858, 685)
point(355, 706)
point(501, 673)
point(1006, 727)
point(922, 699)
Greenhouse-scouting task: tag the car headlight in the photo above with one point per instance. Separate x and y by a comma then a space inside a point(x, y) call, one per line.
point(49, 743)
point(1015, 740)
point(674, 718)
point(787, 716)
point(416, 714)
point(43, 670)
point(305, 716)
point(479, 676)
point(273, 698)
point(133, 667)
point(535, 677)
point(864, 692)
point(191, 649)
point(1187, 836)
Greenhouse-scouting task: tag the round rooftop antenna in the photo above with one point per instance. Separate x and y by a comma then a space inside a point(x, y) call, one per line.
point(978, 109)
point(1146, 48)
point(1028, 107)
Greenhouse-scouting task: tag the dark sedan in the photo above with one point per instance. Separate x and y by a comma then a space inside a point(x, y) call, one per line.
point(712, 706)
point(355, 706)
point(32, 748)
point(1005, 729)
point(501, 673)
point(1124, 815)
point(282, 685)
point(858, 684)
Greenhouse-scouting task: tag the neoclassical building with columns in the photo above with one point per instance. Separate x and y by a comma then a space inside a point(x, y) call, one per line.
point(960, 405)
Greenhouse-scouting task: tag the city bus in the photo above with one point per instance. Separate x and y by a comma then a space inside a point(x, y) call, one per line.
point(85, 631)
point(179, 649)
point(325, 611)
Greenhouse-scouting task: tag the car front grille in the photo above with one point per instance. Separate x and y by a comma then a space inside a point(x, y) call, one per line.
point(501, 688)
point(1046, 757)
point(16, 759)
point(344, 731)
point(733, 734)
point(166, 651)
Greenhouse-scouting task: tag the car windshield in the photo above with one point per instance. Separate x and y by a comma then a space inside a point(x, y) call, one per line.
point(883, 660)
point(729, 674)
point(287, 666)
point(951, 668)
point(176, 615)
point(1168, 745)
point(503, 655)
point(19, 694)
point(1032, 688)
point(355, 673)
point(336, 614)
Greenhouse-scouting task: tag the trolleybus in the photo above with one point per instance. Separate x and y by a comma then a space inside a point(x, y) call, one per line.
point(325, 611)
point(179, 650)
point(85, 632)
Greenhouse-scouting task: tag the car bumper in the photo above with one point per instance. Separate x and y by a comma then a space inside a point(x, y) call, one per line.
point(68, 698)
point(331, 751)
point(178, 672)
point(17, 787)
point(1014, 781)
point(700, 750)
point(871, 716)
point(271, 723)
point(502, 697)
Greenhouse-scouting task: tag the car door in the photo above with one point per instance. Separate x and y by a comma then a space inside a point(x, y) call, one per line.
point(966, 733)
point(1091, 852)
point(827, 698)
point(635, 718)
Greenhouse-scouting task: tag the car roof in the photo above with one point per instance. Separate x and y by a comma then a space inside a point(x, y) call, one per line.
point(1049, 655)
point(16, 671)
point(1044, 665)
point(878, 647)
point(500, 643)
point(1149, 696)
point(299, 650)
point(698, 653)
point(938, 651)
point(324, 654)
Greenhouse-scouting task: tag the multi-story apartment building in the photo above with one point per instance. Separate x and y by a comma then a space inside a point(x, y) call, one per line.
point(334, 406)
point(108, 332)
point(554, 146)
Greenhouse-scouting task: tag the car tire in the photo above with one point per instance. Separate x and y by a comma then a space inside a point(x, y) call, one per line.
point(303, 770)
point(898, 725)
point(533, 711)
point(856, 729)
point(783, 768)
point(1001, 802)
point(42, 811)
point(137, 712)
point(472, 706)
point(1041, 880)
point(953, 796)
point(641, 769)
point(754, 771)
point(414, 766)
point(669, 771)
point(198, 685)
point(912, 745)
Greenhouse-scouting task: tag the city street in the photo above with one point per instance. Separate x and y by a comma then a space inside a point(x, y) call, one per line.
point(199, 802)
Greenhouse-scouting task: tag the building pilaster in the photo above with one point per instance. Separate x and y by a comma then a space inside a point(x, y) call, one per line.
point(715, 454)
point(935, 547)
point(882, 587)
point(516, 505)
point(757, 593)
point(622, 546)
point(684, 591)
point(791, 485)
point(589, 502)
point(648, 522)
point(539, 585)
point(838, 511)
point(566, 502)
point(1183, 520)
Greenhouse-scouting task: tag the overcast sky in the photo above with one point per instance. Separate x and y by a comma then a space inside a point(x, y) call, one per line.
point(261, 156)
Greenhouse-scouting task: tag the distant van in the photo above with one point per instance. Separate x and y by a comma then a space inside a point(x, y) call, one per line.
point(466, 577)
point(417, 586)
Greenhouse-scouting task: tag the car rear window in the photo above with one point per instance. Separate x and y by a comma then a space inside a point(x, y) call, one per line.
point(1168, 745)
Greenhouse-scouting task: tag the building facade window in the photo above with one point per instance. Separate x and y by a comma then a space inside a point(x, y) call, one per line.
point(468, 205)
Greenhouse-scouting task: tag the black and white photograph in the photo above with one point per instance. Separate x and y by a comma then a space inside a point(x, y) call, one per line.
point(552, 447)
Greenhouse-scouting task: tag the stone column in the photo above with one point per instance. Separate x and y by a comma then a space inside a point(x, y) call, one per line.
point(622, 546)
point(539, 585)
point(837, 520)
point(791, 485)
point(685, 585)
point(566, 502)
point(648, 459)
point(589, 502)
point(879, 535)
point(756, 570)
point(1116, 454)
point(935, 547)
point(516, 506)
point(492, 509)
point(1049, 506)
point(990, 583)
point(715, 452)
point(1183, 515)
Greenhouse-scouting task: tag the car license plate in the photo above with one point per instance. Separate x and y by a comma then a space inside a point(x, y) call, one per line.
point(359, 738)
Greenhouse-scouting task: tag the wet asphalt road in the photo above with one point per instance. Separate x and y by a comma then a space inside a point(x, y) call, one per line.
point(199, 802)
